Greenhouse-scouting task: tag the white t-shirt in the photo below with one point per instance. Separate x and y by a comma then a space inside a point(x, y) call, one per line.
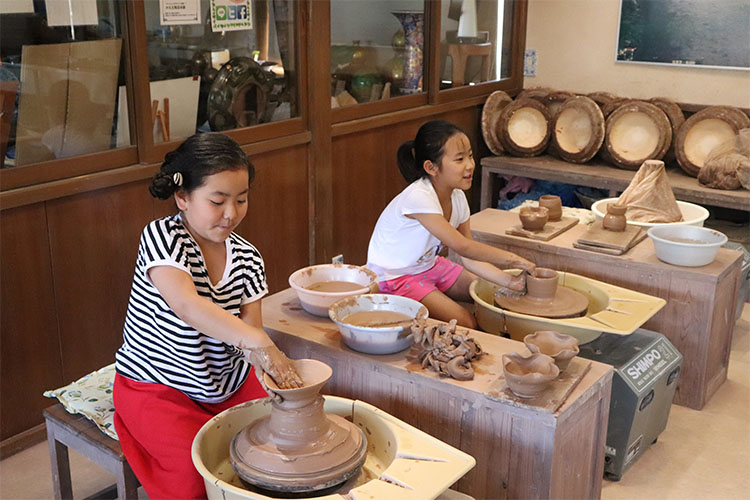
point(401, 245)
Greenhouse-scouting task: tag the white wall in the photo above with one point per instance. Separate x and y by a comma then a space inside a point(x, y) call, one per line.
point(575, 42)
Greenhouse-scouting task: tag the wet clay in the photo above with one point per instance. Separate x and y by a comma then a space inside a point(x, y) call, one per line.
point(444, 351)
point(560, 347)
point(528, 376)
point(546, 298)
point(553, 204)
point(298, 447)
point(376, 318)
point(533, 218)
point(335, 286)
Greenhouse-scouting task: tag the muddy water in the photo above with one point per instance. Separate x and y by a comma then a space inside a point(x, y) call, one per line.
point(685, 240)
point(375, 318)
point(334, 286)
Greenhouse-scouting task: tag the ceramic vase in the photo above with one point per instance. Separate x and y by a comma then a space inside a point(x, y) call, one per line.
point(412, 23)
point(615, 219)
point(553, 203)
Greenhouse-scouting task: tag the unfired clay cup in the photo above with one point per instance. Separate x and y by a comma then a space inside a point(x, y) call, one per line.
point(542, 284)
point(553, 204)
point(528, 376)
point(533, 218)
point(560, 347)
point(615, 219)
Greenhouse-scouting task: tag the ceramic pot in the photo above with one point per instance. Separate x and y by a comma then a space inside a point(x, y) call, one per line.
point(413, 25)
point(542, 284)
point(533, 218)
point(560, 347)
point(615, 219)
point(553, 204)
point(528, 376)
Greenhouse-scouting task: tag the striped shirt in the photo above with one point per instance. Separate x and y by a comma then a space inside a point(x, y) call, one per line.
point(158, 346)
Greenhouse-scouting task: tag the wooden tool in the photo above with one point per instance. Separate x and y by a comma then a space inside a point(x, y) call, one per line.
point(549, 400)
point(162, 117)
point(549, 231)
point(598, 239)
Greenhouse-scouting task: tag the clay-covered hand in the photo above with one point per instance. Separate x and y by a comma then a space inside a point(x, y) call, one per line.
point(275, 363)
point(518, 283)
point(525, 265)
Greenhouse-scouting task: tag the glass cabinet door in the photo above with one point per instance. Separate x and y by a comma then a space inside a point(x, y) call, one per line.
point(475, 41)
point(61, 79)
point(220, 65)
point(377, 50)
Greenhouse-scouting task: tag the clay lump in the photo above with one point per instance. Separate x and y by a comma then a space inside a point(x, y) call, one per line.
point(443, 350)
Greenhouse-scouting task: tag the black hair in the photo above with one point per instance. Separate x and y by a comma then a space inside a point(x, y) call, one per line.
point(429, 144)
point(199, 156)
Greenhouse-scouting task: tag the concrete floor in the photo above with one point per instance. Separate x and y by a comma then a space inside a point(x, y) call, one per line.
point(701, 454)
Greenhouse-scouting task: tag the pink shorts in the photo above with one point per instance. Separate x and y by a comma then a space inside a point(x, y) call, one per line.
point(441, 277)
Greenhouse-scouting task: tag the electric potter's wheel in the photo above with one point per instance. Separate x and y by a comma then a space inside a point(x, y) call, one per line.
point(567, 303)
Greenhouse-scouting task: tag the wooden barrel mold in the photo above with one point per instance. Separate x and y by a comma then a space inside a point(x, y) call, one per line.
point(635, 132)
point(490, 113)
point(554, 100)
point(524, 127)
point(538, 93)
point(676, 119)
point(705, 130)
point(577, 130)
point(602, 98)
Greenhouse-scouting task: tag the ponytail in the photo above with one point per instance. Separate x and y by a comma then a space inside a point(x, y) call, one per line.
point(428, 145)
point(407, 163)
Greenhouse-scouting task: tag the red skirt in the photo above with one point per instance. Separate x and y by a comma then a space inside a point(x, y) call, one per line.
point(156, 425)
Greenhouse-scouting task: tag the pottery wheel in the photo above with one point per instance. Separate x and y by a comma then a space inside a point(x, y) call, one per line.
point(567, 303)
point(328, 460)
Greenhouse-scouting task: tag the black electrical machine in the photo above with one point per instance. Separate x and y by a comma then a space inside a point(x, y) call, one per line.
point(647, 367)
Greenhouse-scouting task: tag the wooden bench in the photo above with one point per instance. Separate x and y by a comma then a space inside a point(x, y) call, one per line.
point(64, 431)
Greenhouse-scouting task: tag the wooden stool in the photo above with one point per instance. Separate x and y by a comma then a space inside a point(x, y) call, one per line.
point(459, 54)
point(77, 432)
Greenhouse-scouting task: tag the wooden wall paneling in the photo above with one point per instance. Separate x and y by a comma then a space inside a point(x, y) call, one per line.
point(318, 97)
point(277, 216)
point(93, 246)
point(30, 361)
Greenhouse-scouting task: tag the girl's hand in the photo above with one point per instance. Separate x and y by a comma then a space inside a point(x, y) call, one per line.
point(274, 362)
point(518, 283)
point(525, 265)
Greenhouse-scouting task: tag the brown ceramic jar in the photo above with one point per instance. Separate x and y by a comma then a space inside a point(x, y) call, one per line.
point(553, 204)
point(533, 218)
point(615, 219)
point(542, 284)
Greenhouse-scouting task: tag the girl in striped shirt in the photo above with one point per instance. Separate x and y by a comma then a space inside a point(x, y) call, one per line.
point(193, 327)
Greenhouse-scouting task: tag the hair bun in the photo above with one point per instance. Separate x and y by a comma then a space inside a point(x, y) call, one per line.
point(162, 186)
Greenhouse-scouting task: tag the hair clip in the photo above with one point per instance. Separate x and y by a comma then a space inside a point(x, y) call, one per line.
point(177, 179)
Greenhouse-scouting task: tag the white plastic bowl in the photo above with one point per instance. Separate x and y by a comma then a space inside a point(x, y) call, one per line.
point(684, 253)
point(692, 214)
point(376, 340)
point(317, 302)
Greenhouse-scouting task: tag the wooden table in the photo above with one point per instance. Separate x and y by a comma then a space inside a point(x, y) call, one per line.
point(520, 452)
point(600, 175)
point(699, 316)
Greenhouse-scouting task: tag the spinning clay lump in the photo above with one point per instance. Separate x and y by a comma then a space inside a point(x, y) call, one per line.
point(334, 286)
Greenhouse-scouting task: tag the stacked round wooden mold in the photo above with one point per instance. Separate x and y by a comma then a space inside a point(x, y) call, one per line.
point(625, 132)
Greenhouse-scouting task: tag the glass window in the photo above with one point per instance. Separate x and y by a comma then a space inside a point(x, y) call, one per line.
point(231, 65)
point(377, 50)
point(475, 41)
point(61, 71)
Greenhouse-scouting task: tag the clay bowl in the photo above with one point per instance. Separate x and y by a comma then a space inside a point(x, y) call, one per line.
point(317, 302)
point(528, 376)
point(560, 347)
point(533, 218)
point(384, 336)
point(542, 284)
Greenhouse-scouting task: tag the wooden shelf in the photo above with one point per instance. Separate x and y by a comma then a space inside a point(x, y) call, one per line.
point(597, 174)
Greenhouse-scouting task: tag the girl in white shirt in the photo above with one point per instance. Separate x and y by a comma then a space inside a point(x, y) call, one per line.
point(432, 213)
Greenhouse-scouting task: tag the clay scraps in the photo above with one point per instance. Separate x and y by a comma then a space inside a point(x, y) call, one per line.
point(443, 350)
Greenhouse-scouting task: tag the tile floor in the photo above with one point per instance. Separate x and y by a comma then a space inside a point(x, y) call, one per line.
point(701, 454)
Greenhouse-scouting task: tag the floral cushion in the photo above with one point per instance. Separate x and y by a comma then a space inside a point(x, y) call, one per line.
point(91, 396)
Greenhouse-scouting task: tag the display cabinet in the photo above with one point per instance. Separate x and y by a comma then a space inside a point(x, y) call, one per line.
point(92, 102)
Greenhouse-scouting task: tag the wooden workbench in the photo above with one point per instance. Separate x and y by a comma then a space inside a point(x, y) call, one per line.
point(598, 174)
point(520, 452)
point(699, 316)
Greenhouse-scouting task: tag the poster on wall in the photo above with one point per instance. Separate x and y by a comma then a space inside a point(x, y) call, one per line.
point(693, 33)
point(231, 15)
